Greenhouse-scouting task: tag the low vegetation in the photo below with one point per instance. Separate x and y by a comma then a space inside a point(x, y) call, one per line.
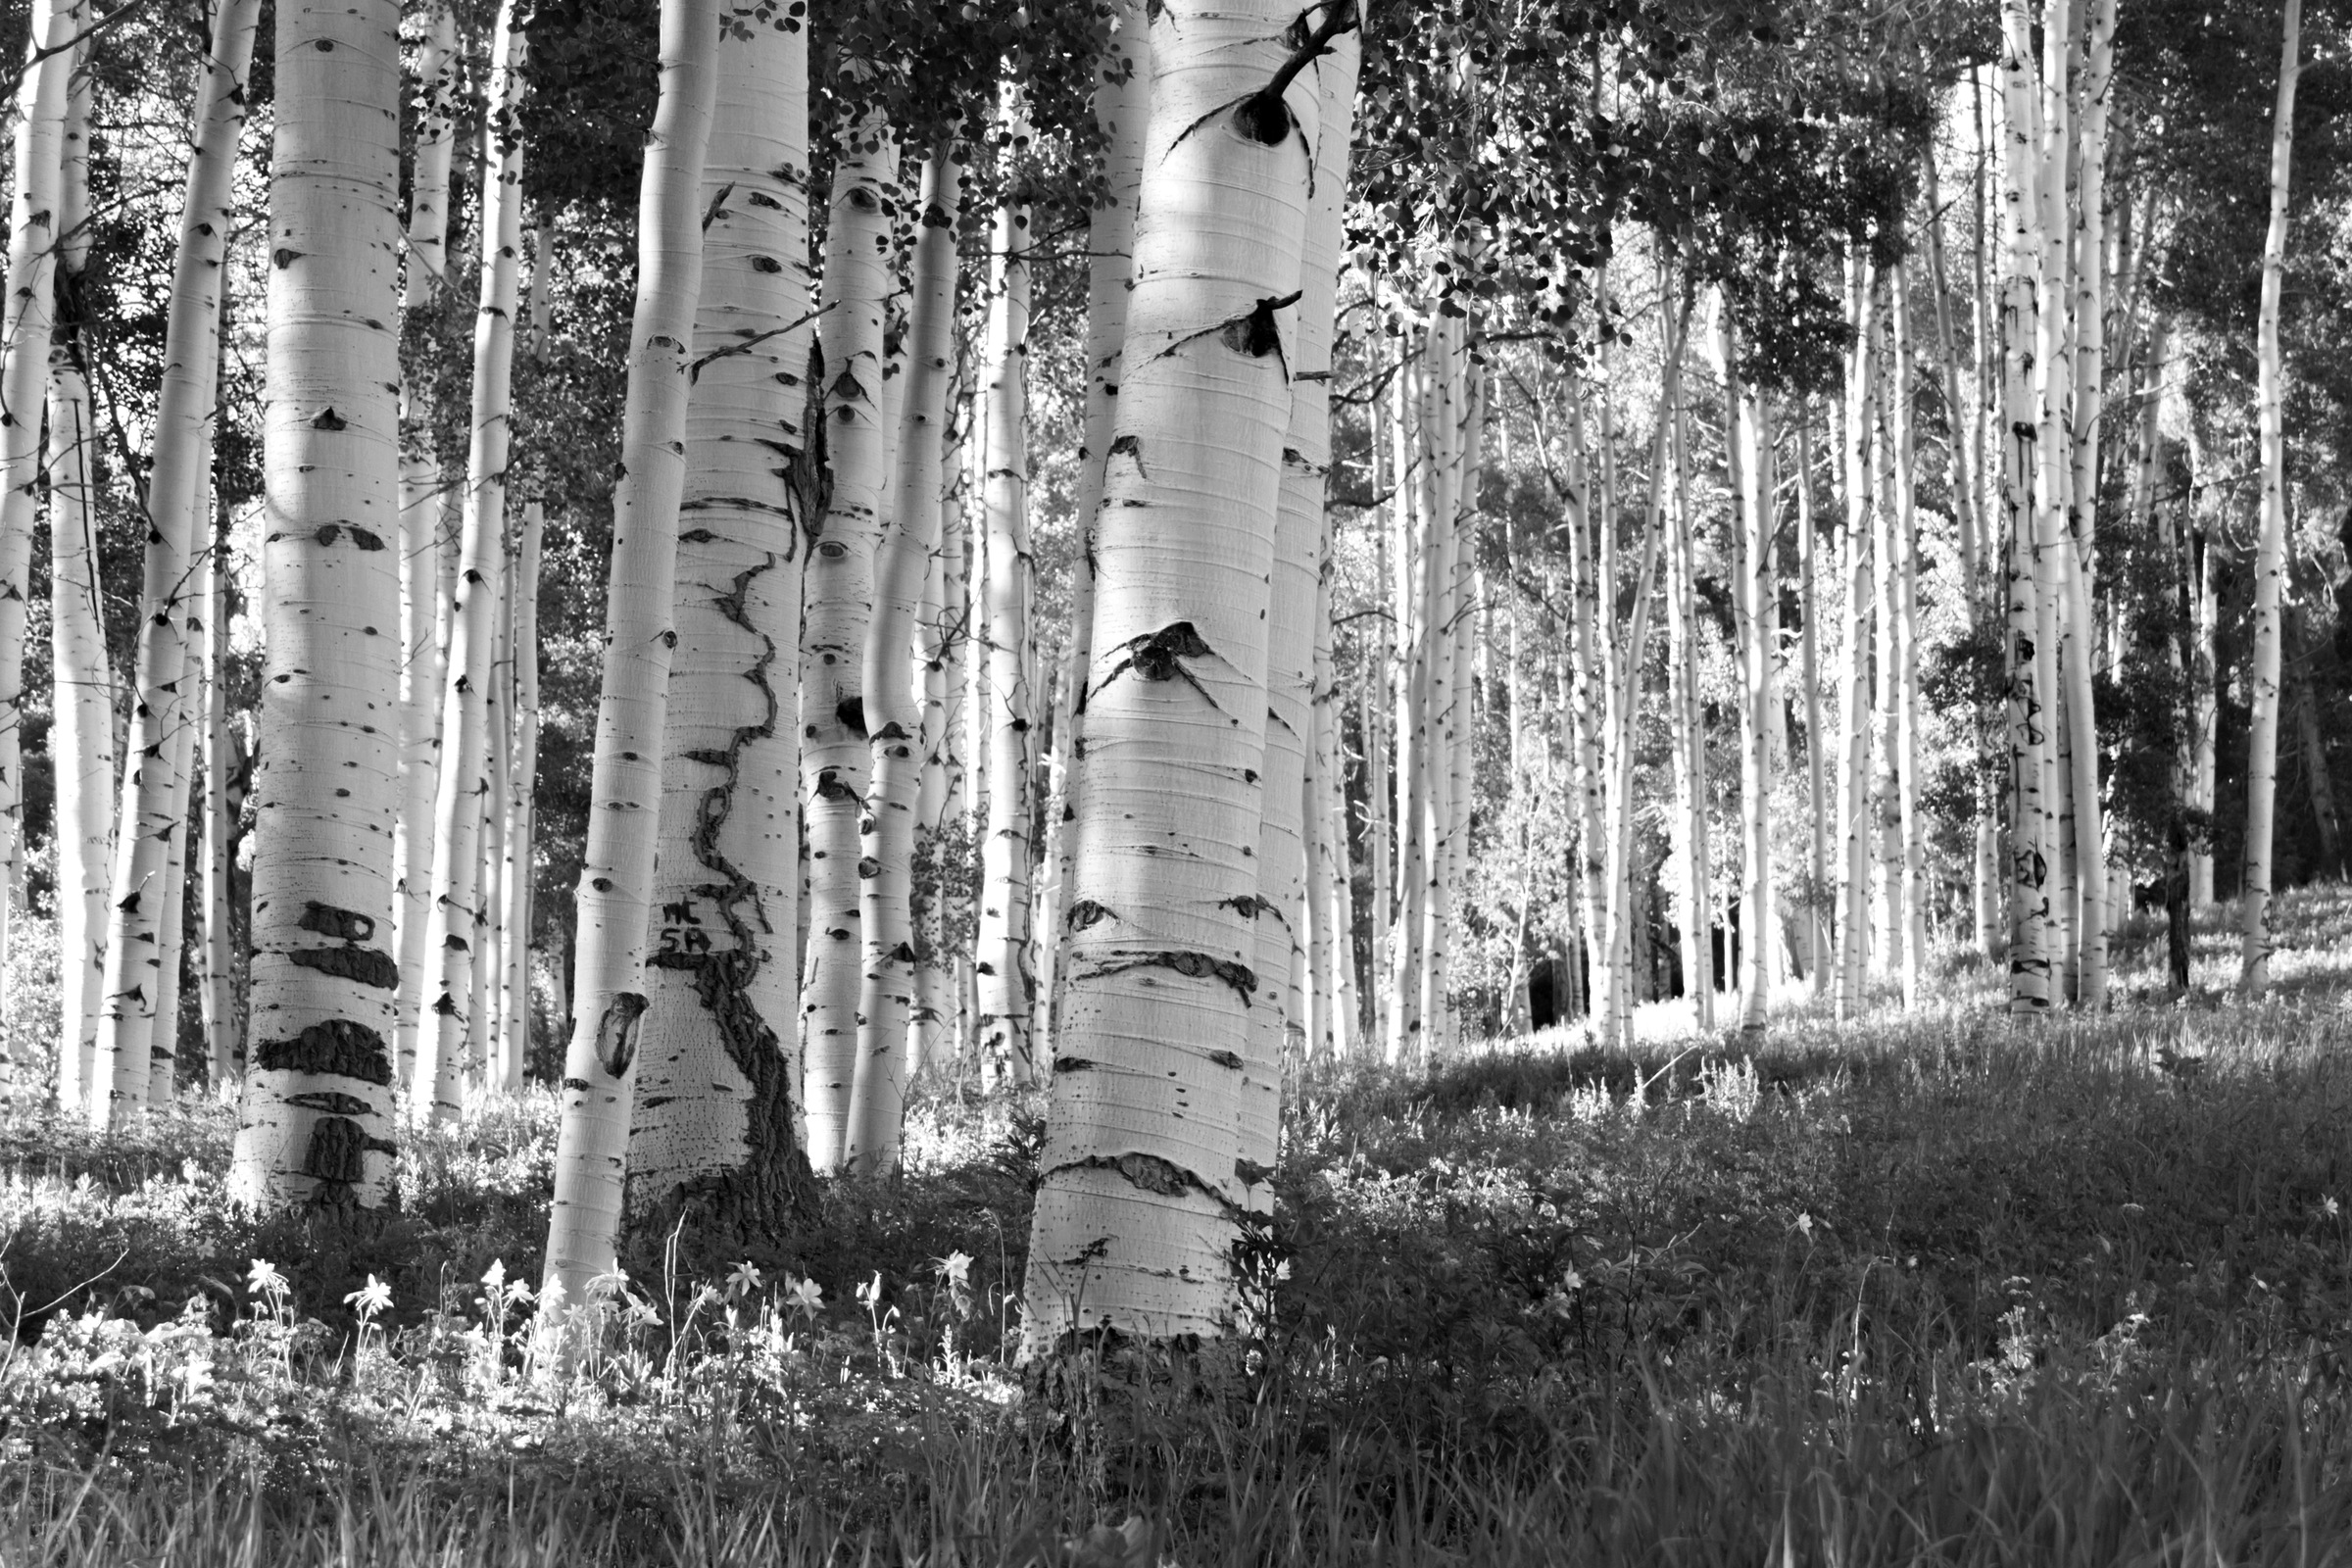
point(1931, 1288)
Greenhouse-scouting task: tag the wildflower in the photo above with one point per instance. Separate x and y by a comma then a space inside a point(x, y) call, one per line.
point(953, 1270)
point(369, 1299)
point(869, 1294)
point(1804, 1226)
point(805, 1295)
point(745, 1279)
point(264, 1278)
point(606, 1286)
point(494, 1276)
point(2331, 1207)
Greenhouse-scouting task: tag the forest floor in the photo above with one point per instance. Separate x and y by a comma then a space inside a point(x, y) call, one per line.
point(1934, 1287)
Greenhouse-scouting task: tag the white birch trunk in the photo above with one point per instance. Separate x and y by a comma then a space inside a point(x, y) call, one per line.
point(315, 1122)
point(893, 717)
point(224, 1039)
point(616, 900)
point(424, 603)
point(1853, 676)
point(2027, 718)
point(1142, 1190)
point(839, 595)
point(24, 338)
point(1003, 961)
point(458, 920)
point(81, 730)
point(717, 1135)
point(2270, 560)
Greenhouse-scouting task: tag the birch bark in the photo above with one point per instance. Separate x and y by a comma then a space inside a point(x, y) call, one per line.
point(1141, 1189)
point(315, 1122)
point(615, 901)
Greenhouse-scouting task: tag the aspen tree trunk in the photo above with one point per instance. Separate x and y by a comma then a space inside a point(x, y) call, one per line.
point(163, 1056)
point(489, 1032)
point(1467, 441)
point(1688, 722)
point(1587, 678)
point(315, 1125)
point(944, 638)
point(1887, 910)
point(24, 331)
point(1120, 112)
point(1817, 912)
point(1331, 917)
point(886, 999)
point(2053, 393)
point(1853, 676)
point(1442, 605)
point(1373, 712)
point(2270, 560)
point(81, 729)
point(1142, 1181)
point(1759, 612)
point(2083, 453)
point(176, 490)
point(1904, 651)
point(458, 921)
point(1416, 549)
point(839, 596)
point(516, 888)
point(716, 1137)
point(1003, 964)
point(1295, 603)
point(1960, 410)
point(224, 1040)
point(2204, 692)
point(424, 605)
point(2027, 716)
point(616, 900)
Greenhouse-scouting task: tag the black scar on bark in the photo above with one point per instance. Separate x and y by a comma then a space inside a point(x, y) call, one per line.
point(1251, 905)
point(1130, 446)
point(361, 538)
point(332, 1103)
point(1086, 912)
point(1062, 1065)
point(330, 420)
point(1192, 965)
point(339, 1048)
point(850, 711)
point(365, 965)
point(1160, 656)
point(1152, 1174)
point(1226, 1058)
point(616, 1032)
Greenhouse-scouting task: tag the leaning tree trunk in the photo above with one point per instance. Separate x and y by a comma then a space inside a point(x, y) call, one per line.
point(615, 901)
point(25, 323)
point(422, 508)
point(717, 1136)
point(893, 717)
point(1141, 1188)
point(458, 921)
point(316, 1120)
point(2270, 560)
point(839, 596)
point(1007, 981)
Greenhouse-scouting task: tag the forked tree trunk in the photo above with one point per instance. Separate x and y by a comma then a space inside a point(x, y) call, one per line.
point(839, 596)
point(1136, 1217)
point(2270, 560)
point(616, 900)
point(716, 1137)
point(24, 325)
point(422, 604)
point(1002, 962)
point(893, 717)
point(316, 1120)
point(458, 922)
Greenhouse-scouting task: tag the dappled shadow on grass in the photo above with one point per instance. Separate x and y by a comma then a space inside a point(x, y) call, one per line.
point(1936, 1287)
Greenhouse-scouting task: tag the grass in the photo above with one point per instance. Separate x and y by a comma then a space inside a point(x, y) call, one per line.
point(1932, 1288)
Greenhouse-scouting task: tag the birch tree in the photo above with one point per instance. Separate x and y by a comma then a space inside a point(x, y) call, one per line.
point(616, 900)
point(2270, 560)
point(316, 1121)
point(1141, 1191)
